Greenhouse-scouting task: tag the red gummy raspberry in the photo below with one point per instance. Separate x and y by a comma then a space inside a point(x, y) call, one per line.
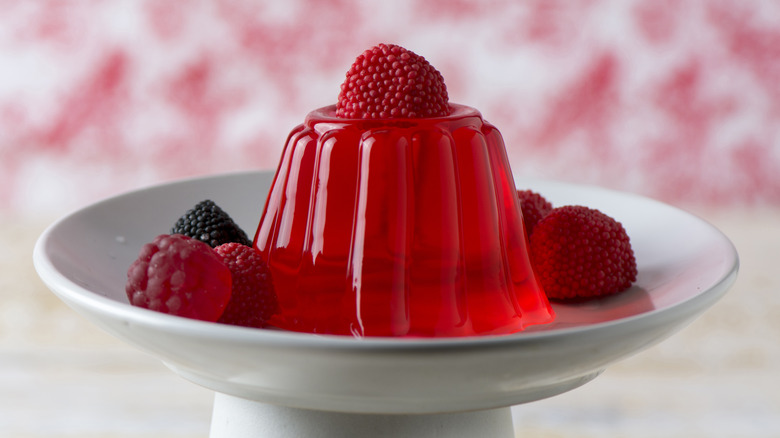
point(534, 207)
point(254, 300)
point(181, 276)
point(389, 81)
point(579, 252)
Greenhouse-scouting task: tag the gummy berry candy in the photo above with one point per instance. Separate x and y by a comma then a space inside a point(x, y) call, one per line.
point(579, 252)
point(253, 300)
point(534, 207)
point(178, 275)
point(389, 81)
point(208, 223)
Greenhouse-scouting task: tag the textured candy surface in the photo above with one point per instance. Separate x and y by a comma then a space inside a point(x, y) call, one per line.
point(253, 300)
point(534, 207)
point(580, 252)
point(178, 275)
point(389, 81)
point(208, 223)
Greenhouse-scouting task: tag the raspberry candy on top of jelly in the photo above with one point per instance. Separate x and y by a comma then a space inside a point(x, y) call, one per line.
point(389, 81)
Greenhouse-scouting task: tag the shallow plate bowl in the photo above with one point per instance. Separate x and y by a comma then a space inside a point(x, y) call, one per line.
point(685, 266)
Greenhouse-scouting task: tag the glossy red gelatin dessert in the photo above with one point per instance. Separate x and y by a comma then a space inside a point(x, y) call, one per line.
point(398, 227)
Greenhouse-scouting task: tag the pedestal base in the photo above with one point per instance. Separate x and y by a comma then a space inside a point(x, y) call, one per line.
point(235, 417)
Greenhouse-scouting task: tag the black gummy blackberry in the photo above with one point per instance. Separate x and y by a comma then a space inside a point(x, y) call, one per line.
point(208, 223)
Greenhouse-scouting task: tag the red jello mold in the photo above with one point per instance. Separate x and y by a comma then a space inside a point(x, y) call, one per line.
point(398, 227)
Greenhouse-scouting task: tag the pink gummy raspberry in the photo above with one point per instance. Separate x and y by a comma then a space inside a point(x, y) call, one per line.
point(534, 207)
point(389, 81)
point(180, 276)
point(579, 252)
point(253, 300)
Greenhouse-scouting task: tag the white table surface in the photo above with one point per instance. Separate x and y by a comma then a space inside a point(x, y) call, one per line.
point(60, 376)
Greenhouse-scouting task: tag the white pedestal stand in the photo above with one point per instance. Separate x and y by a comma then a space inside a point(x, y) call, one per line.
point(235, 417)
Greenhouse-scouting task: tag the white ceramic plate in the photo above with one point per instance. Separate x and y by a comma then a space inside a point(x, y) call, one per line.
point(685, 265)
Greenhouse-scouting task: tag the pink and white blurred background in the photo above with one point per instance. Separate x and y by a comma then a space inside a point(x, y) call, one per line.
point(676, 100)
